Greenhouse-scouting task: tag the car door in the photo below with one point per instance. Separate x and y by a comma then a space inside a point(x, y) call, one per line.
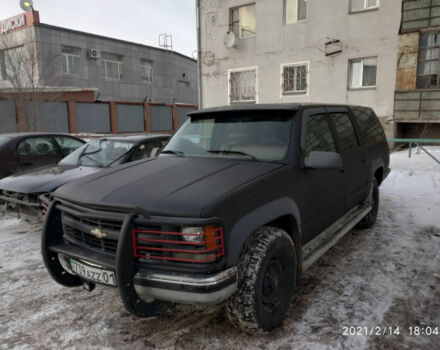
point(37, 151)
point(355, 165)
point(323, 189)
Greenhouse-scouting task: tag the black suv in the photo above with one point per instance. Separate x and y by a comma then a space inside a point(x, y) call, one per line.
point(241, 200)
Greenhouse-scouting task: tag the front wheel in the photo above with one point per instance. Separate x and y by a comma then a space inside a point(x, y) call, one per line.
point(266, 281)
point(370, 219)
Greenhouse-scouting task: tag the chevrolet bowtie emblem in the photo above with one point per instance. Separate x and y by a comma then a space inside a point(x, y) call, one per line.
point(98, 233)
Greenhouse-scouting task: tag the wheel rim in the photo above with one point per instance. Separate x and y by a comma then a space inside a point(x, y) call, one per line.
point(273, 285)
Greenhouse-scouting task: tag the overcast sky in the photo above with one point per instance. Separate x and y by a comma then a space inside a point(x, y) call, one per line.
point(140, 21)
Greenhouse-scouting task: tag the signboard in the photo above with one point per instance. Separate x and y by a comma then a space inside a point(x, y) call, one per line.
point(13, 23)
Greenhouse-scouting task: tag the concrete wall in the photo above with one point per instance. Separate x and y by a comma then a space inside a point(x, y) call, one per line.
point(366, 34)
point(407, 61)
point(174, 76)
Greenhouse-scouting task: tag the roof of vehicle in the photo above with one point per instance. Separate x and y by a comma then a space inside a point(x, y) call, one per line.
point(262, 107)
point(35, 133)
point(134, 137)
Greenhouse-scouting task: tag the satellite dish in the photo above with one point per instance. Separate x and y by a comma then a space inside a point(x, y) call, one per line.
point(26, 5)
point(230, 40)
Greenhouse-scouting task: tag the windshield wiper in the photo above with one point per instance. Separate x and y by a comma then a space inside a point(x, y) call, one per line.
point(121, 156)
point(96, 161)
point(171, 151)
point(233, 152)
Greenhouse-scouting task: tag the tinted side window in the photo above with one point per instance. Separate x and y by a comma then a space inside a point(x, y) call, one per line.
point(345, 130)
point(319, 137)
point(369, 124)
point(68, 144)
point(37, 146)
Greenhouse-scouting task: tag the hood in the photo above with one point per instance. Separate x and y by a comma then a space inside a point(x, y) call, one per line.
point(166, 186)
point(44, 180)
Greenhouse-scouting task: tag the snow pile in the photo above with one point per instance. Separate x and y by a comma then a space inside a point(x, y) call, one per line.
point(387, 276)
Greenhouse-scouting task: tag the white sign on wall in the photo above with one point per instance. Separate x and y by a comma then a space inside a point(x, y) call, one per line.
point(13, 23)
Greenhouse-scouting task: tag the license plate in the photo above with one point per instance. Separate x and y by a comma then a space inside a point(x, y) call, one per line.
point(95, 274)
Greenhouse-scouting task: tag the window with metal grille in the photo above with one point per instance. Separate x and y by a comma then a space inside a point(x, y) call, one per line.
point(294, 78)
point(242, 21)
point(71, 60)
point(362, 73)
point(147, 71)
point(363, 5)
point(295, 11)
point(429, 55)
point(242, 86)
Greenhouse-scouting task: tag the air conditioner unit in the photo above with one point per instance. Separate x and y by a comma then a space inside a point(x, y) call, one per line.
point(94, 53)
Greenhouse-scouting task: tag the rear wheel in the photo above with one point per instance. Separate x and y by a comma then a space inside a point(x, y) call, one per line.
point(266, 281)
point(370, 219)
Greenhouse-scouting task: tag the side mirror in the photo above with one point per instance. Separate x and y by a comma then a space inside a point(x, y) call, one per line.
point(323, 160)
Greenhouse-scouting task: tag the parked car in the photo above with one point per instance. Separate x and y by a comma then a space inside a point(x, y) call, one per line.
point(239, 203)
point(22, 191)
point(31, 150)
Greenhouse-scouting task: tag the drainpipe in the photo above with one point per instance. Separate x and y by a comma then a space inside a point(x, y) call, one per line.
point(199, 56)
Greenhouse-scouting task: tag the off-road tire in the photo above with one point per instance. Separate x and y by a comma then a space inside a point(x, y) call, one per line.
point(370, 219)
point(266, 281)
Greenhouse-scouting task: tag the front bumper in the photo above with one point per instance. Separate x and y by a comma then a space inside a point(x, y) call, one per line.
point(139, 286)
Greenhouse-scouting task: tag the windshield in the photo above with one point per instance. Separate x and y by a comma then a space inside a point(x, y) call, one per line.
point(99, 153)
point(260, 136)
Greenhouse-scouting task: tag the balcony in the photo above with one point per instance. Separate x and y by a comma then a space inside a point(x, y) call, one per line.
point(417, 106)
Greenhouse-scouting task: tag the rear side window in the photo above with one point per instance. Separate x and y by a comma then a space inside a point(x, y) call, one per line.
point(37, 146)
point(319, 137)
point(345, 131)
point(370, 126)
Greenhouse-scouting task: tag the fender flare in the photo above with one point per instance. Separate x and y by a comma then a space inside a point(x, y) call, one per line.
point(260, 216)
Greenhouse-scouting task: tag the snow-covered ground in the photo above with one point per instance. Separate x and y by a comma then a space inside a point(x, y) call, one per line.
point(387, 276)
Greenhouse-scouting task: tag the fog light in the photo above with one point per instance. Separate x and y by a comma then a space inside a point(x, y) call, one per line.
point(193, 234)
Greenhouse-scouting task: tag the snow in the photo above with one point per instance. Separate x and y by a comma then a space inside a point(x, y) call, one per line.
point(386, 276)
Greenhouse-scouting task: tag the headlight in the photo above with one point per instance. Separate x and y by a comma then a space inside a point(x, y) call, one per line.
point(193, 234)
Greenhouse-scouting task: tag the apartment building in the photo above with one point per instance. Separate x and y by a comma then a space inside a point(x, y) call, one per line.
point(417, 100)
point(269, 51)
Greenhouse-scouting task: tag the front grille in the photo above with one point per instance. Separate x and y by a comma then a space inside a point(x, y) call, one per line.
point(87, 240)
point(78, 230)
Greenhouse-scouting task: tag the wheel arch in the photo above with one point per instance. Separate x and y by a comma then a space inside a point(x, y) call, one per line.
point(282, 213)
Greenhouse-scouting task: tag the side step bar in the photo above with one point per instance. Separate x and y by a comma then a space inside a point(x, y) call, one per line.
point(319, 245)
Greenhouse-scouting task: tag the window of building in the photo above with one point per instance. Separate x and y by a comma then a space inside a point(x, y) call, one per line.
point(370, 126)
point(429, 56)
point(3, 75)
point(71, 60)
point(363, 5)
point(362, 73)
point(113, 66)
point(147, 71)
point(345, 132)
point(319, 137)
point(243, 86)
point(294, 78)
point(295, 11)
point(242, 21)
point(12, 63)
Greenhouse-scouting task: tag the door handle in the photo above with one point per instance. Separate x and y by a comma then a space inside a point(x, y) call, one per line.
point(27, 163)
point(341, 171)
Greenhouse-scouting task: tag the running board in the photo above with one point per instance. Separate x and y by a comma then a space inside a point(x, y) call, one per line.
point(319, 245)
